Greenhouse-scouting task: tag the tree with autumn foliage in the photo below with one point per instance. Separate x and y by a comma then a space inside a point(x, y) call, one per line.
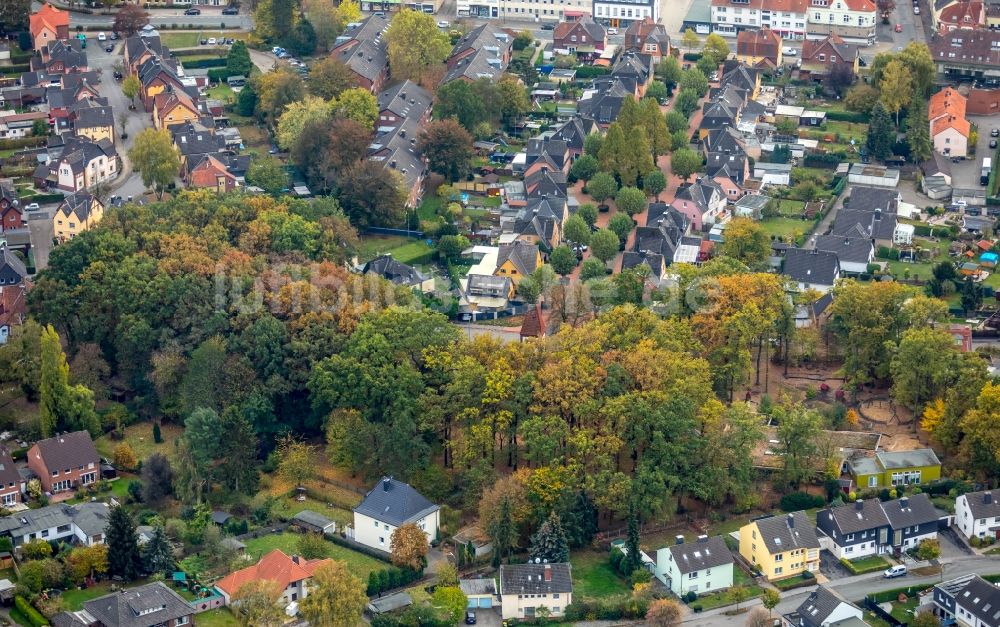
point(408, 547)
point(336, 597)
point(664, 613)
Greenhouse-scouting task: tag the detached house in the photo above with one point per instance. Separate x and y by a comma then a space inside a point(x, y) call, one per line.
point(949, 128)
point(65, 461)
point(398, 273)
point(77, 213)
point(781, 546)
point(703, 202)
point(291, 573)
point(912, 520)
point(702, 566)
point(149, 605)
point(759, 48)
point(524, 588)
point(977, 514)
point(891, 468)
point(517, 260)
point(11, 212)
point(825, 607)
point(585, 38)
point(48, 25)
point(853, 253)
point(389, 505)
point(61, 57)
point(649, 37)
point(821, 56)
point(967, 601)
point(812, 269)
point(173, 107)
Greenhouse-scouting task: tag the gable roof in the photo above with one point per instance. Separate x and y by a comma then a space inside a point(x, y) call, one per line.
point(984, 504)
point(871, 198)
point(603, 103)
point(394, 502)
point(811, 266)
point(395, 271)
point(275, 566)
point(91, 518)
point(646, 30)
point(819, 606)
point(594, 30)
point(784, 533)
point(965, 46)
point(850, 249)
point(523, 255)
point(534, 323)
point(47, 17)
point(78, 204)
point(313, 518)
point(966, 12)
point(406, 99)
point(942, 124)
point(142, 606)
point(9, 260)
point(9, 476)
point(875, 224)
point(762, 42)
point(69, 450)
point(975, 595)
point(860, 515)
point(910, 511)
point(705, 553)
point(831, 44)
point(535, 578)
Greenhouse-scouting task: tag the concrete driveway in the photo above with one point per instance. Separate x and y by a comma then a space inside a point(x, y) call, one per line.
point(965, 174)
point(41, 232)
point(488, 617)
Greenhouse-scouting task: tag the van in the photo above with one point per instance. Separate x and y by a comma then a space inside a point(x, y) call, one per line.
point(896, 571)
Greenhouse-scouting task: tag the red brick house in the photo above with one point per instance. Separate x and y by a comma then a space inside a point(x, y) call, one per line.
point(819, 56)
point(65, 461)
point(585, 38)
point(10, 209)
point(647, 37)
point(212, 174)
point(968, 14)
point(10, 480)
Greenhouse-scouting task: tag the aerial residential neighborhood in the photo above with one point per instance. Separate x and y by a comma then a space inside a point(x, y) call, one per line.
point(492, 313)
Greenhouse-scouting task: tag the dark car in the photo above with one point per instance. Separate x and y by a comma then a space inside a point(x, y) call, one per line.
point(193, 12)
point(109, 48)
point(230, 11)
point(114, 35)
point(118, 75)
point(995, 132)
point(470, 618)
point(204, 42)
point(548, 27)
point(993, 143)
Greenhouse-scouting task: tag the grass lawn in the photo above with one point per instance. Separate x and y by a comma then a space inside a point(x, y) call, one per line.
point(994, 551)
point(403, 249)
point(791, 208)
point(140, 437)
point(785, 228)
point(791, 582)
point(288, 507)
point(192, 39)
point(220, 617)
point(904, 612)
point(19, 618)
point(358, 563)
point(429, 207)
point(875, 621)
point(75, 598)
point(858, 131)
point(593, 576)
point(222, 92)
point(869, 564)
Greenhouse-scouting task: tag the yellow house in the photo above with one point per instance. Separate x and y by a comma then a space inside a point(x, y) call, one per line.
point(77, 213)
point(781, 546)
point(517, 260)
point(173, 108)
point(94, 121)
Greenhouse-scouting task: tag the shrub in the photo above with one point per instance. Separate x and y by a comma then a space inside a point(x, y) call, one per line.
point(797, 501)
point(28, 610)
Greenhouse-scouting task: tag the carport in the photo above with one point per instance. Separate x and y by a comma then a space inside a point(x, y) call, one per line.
point(480, 592)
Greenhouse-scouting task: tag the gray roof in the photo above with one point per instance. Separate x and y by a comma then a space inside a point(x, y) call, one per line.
point(811, 266)
point(488, 285)
point(523, 255)
point(818, 607)
point(79, 204)
point(390, 603)
point(362, 47)
point(853, 249)
point(220, 517)
point(392, 270)
point(69, 450)
point(397, 150)
point(907, 459)
point(9, 476)
point(406, 99)
point(910, 511)
point(394, 502)
point(312, 518)
point(478, 587)
point(979, 506)
point(706, 553)
point(872, 198)
point(91, 518)
point(784, 533)
point(976, 595)
point(861, 515)
point(535, 578)
point(143, 606)
point(483, 63)
point(12, 261)
point(603, 105)
point(93, 116)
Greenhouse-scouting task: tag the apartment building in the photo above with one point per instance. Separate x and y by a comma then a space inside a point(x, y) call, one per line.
point(787, 18)
point(853, 20)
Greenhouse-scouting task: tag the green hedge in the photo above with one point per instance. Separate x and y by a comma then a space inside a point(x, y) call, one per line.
point(218, 75)
point(198, 52)
point(390, 579)
point(892, 595)
point(589, 71)
point(606, 609)
point(855, 570)
point(360, 548)
point(204, 63)
point(34, 616)
point(47, 198)
point(847, 116)
point(22, 142)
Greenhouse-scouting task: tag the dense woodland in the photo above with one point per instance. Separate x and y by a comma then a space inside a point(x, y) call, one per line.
point(236, 317)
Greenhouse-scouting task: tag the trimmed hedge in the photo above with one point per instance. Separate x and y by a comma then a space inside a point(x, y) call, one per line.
point(204, 63)
point(197, 52)
point(892, 595)
point(218, 75)
point(797, 501)
point(607, 609)
point(390, 579)
point(22, 142)
point(825, 160)
point(34, 616)
point(589, 71)
point(847, 116)
point(360, 548)
point(46, 198)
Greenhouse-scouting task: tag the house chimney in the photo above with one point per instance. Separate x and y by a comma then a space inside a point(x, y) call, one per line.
point(904, 502)
point(295, 559)
point(859, 505)
point(702, 539)
point(791, 521)
point(678, 539)
point(988, 498)
point(386, 483)
point(548, 573)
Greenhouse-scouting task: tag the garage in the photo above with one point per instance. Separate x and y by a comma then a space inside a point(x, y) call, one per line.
point(480, 592)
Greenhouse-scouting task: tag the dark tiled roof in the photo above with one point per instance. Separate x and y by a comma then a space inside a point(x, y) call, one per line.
point(143, 606)
point(91, 518)
point(910, 511)
point(851, 249)
point(9, 260)
point(406, 99)
point(818, 607)
point(702, 192)
point(787, 532)
point(871, 198)
point(395, 502)
point(656, 262)
point(8, 471)
point(524, 256)
point(861, 515)
point(978, 505)
point(707, 553)
point(811, 266)
point(535, 579)
point(873, 224)
point(967, 47)
point(69, 450)
point(78, 204)
point(981, 598)
point(603, 105)
point(394, 271)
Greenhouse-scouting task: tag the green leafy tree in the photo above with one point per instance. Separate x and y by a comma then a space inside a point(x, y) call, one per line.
point(604, 245)
point(746, 241)
point(155, 157)
point(372, 195)
point(576, 230)
point(563, 260)
point(654, 183)
point(237, 453)
point(716, 47)
point(881, 133)
point(592, 269)
point(621, 225)
point(861, 98)
point(268, 174)
point(503, 532)
point(246, 101)
point(451, 246)
point(550, 543)
point(329, 77)
point(972, 295)
point(588, 212)
point(448, 149)
point(695, 80)
point(302, 39)
point(657, 91)
point(359, 105)
point(676, 121)
point(130, 87)
point(896, 87)
point(926, 378)
point(686, 103)
point(630, 200)
point(602, 186)
point(684, 162)
point(124, 559)
point(926, 619)
point(580, 520)
point(584, 168)
point(632, 561)
point(770, 600)
point(238, 59)
point(451, 603)
point(337, 598)
point(62, 407)
point(276, 90)
point(312, 546)
point(798, 430)
point(690, 39)
point(669, 70)
point(297, 115)
point(613, 155)
point(415, 44)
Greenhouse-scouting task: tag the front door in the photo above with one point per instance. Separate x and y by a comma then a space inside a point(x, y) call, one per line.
point(897, 538)
point(529, 612)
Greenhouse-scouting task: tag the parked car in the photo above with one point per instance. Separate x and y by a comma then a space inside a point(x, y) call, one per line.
point(32, 207)
point(109, 48)
point(995, 132)
point(548, 26)
point(899, 28)
point(443, 24)
point(212, 41)
point(114, 36)
point(203, 42)
point(193, 12)
point(102, 37)
point(118, 75)
point(896, 571)
point(230, 11)
point(470, 618)
point(916, 10)
point(788, 51)
point(993, 143)
point(612, 31)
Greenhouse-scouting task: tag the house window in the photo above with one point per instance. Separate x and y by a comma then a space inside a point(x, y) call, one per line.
point(9, 499)
point(872, 481)
point(183, 620)
point(376, 524)
point(693, 575)
point(381, 540)
point(850, 537)
point(779, 557)
point(777, 571)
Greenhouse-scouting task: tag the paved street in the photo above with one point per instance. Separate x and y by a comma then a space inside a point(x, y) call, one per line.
point(210, 17)
point(855, 588)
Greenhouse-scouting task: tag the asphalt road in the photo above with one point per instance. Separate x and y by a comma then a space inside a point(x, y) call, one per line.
point(211, 17)
point(855, 588)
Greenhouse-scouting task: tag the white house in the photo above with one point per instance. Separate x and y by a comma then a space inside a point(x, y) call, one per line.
point(526, 587)
point(977, 514)
point(788, 19)
point(389, 505)
point(291, 573)
point(773, 173)
point(702, 566)
point(852, 20)
point(84, 524)
point(824, 607)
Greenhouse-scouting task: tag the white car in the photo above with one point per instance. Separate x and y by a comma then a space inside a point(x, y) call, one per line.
point(212, 41)
point(444, 24)
point(32, 207)
point(612, 31)
point(789, 52)
point(916, 10)
point(102, 37)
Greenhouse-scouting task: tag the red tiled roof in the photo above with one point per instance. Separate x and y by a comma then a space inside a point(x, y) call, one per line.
point(945, 122)
point(861, 6)
point(956, 13)
point(47, 16)
point(275, 566)
point(534, 322)
point(946, 102)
